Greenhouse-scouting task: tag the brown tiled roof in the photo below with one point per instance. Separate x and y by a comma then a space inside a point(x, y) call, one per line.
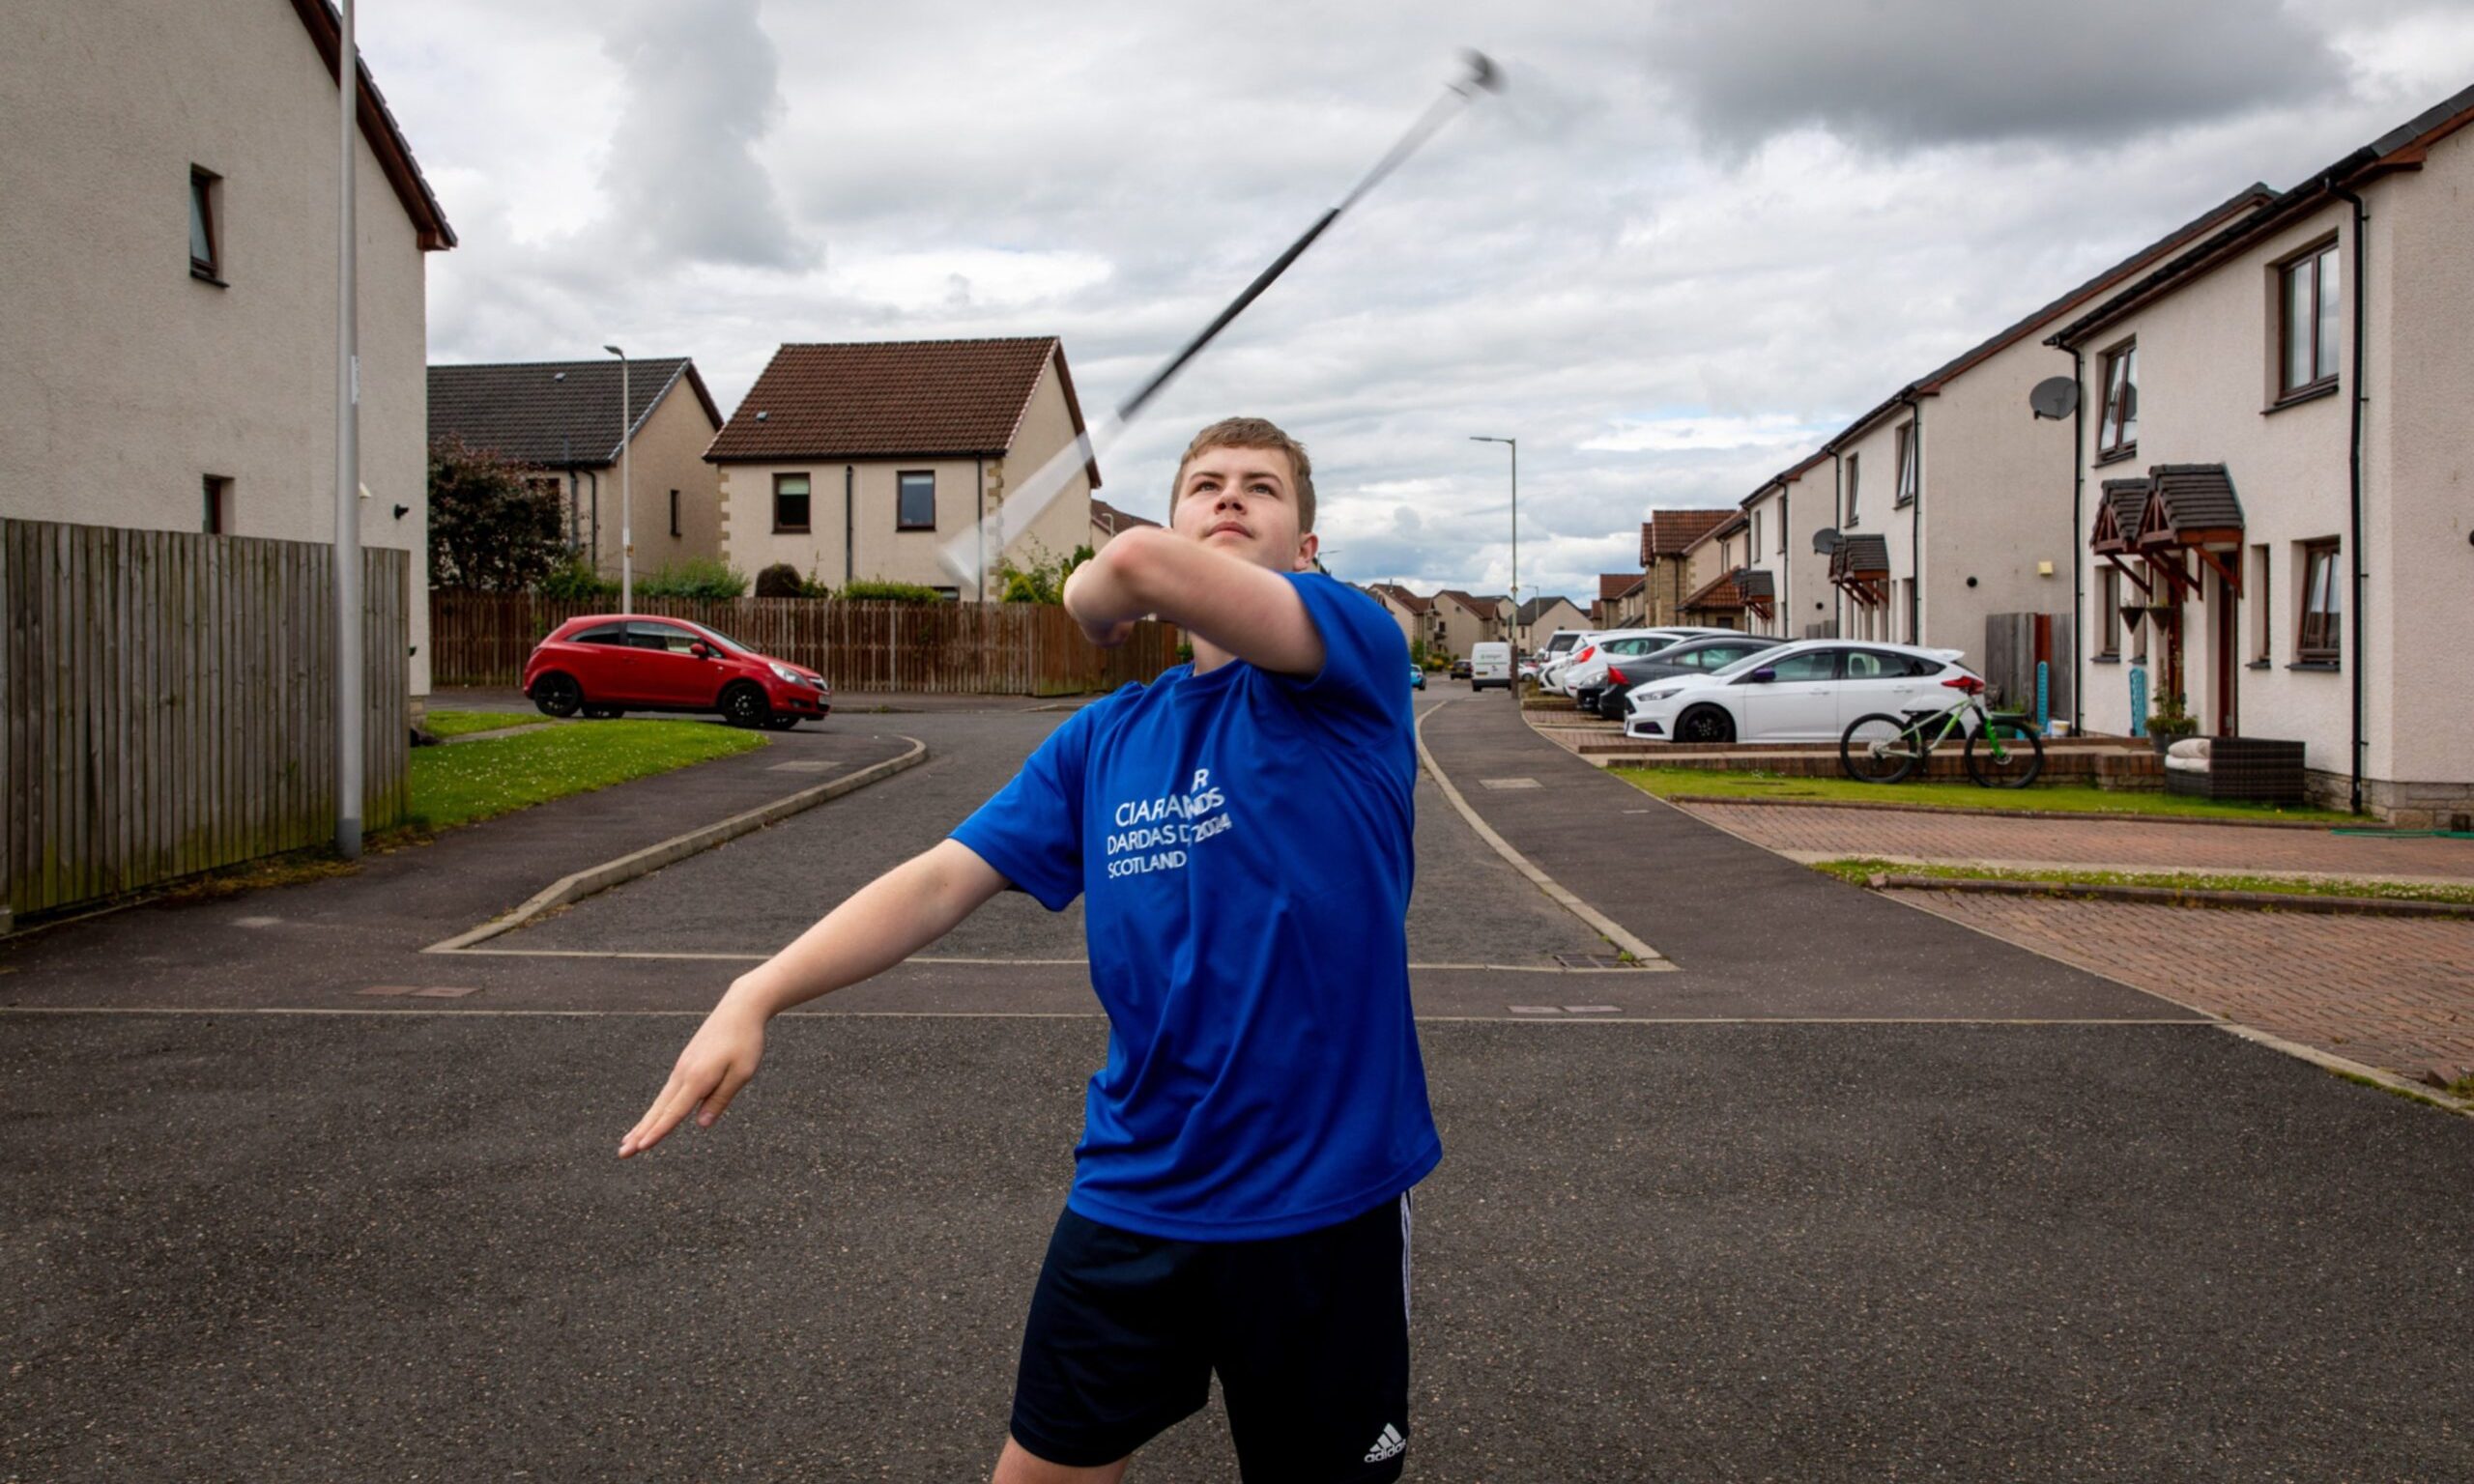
point(1718, 592)
point(882, 399)
point(1612, 586)
point(1668, 532)
point(1735, 521)
point(1114, 521)
point(325, 27)
point(555, 413)
point(1404, 596)
point(1470, 601)
point(2197, 496)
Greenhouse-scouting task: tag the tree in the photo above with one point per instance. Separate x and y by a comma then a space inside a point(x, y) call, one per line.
point(489, 528)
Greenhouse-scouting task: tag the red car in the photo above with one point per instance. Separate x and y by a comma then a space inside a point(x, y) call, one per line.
point(609, 664)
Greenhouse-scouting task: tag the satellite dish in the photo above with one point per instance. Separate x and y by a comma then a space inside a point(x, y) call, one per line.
point(1825, 540)
point(2055, 397)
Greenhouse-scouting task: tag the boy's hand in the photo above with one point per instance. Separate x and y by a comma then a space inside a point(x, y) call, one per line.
point(1108, 636)
point(717, 1063)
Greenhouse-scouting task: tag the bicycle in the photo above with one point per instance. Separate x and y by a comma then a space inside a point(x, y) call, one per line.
point(2002, 750)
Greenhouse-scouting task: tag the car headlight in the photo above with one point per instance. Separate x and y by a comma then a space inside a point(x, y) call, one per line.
point(1669, 693)
point(789, 675)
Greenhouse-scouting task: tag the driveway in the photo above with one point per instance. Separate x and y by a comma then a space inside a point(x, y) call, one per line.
point(1988, 1217)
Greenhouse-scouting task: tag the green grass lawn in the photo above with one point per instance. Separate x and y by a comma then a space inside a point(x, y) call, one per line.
point(1859, 868)
point(457, 724)
point(476, 779)
point(2073, 798)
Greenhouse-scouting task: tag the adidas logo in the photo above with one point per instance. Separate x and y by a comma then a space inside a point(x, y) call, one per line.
point(1387, 1445)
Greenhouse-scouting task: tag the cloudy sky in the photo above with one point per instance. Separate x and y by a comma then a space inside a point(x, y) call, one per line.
point(1688, 244)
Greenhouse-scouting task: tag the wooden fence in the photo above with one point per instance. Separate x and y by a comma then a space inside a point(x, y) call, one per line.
point(2013, 643)
point(962, 649)
point(167, 704)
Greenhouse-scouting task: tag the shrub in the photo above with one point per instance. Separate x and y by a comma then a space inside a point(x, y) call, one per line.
point(697, 578)
point(491, 529)
point(1043, 580)
point(574, 578)
point(779, 580)
point(877, 590)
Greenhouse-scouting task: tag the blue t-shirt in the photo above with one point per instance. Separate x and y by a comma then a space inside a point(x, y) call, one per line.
point(1243, 842)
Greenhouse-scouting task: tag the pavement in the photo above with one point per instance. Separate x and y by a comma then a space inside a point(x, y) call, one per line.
point(1817, 832)
point(1992, 1217)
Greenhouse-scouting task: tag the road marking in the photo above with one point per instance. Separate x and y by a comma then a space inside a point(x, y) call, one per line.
point(1606, 926)
point(1509, 783)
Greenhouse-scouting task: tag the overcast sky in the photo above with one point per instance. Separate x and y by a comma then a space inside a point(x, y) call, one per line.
point(1688, 244)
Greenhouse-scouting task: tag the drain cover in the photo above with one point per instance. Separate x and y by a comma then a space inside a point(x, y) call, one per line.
point(1595, 961)
point(1508, 783)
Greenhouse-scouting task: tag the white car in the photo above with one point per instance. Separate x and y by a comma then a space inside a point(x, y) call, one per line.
point(1802, 691)
point(1584, 675)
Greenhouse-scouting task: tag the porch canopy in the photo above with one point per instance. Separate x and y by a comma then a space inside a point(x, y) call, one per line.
point(2179, 523)
point(1860, 567)
point(1757, 591)
point(1718, 595)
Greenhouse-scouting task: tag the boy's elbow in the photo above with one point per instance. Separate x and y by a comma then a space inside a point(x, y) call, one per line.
point(1136, 559)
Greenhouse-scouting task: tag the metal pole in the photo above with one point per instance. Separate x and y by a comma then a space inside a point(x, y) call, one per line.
point(347, 678)
point(627, 493)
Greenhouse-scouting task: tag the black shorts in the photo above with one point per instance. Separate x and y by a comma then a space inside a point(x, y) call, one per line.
point(1310, 1335)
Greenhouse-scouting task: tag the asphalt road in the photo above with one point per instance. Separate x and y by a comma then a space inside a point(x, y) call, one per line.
point(255, 1226)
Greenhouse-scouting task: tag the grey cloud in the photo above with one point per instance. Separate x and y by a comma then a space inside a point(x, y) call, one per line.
point(702, 90)
point(1921, 73)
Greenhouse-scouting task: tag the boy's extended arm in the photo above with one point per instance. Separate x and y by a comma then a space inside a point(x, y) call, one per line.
point(1251, 612)
point(877, 926)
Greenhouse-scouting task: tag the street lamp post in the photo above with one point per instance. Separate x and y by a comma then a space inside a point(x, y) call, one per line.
point(348, 676)
point(1515, 445)
point(627, 495)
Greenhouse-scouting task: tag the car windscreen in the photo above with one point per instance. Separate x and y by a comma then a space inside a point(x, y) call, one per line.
point(721, 638)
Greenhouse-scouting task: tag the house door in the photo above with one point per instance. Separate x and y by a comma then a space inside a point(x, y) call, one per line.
point(2225, 618)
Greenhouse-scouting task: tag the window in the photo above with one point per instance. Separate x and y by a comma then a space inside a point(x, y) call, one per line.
point(1809, 664)
point(1853, 470)
point(674, 512)
point(206, 242)
point(915, 506)
point(607, 634)
point(2260, 607)
point(2117, 430)
point(2307, 322)
point(2109, 623)
point(950, 594)
point(2321, 640)
point(790, 502)
point(218, 492)
point(1755, 543)
point(660, 636)
point(1905, 464)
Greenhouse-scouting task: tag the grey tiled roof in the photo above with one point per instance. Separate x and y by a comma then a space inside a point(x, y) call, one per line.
point(2197, 496)
point(1866, 555)
point(555, 413)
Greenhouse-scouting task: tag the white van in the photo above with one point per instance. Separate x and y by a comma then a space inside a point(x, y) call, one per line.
point(1489, 664)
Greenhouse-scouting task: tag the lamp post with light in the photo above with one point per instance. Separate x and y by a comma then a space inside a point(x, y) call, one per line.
point(626, 496)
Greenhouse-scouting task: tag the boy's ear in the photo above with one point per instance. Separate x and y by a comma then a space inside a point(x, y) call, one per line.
point(1307, 546)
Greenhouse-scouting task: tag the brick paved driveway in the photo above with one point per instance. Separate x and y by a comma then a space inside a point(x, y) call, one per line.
point(2394, 992)
point(1817, 833)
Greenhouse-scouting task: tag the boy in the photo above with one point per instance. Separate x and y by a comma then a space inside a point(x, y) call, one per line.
point(1240, 830)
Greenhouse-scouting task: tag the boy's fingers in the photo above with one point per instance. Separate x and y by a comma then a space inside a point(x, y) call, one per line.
point(660, 1118)
point(720, 1097)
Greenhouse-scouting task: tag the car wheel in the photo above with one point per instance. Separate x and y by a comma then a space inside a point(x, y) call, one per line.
point(1704, 723)
point(557, 693)
point(744, 705)
point(782, 721)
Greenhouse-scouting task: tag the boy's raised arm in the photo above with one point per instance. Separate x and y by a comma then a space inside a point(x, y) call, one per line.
point(877, 926)
point(1251, 612)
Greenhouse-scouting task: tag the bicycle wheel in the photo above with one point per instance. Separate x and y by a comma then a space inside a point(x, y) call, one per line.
point(2005, 753)
point(1880, 748)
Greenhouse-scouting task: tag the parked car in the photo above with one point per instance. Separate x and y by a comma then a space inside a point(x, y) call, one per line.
point(1460, 670)
point(1806, 691)
point(1583, 675)
point(1417, 677)
point(1489, 664)
point(1709, 651)
point(609, 664)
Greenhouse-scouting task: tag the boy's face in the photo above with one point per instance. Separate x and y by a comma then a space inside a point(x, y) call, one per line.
point(1243, 501)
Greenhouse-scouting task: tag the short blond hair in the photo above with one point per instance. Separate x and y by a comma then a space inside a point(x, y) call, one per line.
point(1253, 433)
